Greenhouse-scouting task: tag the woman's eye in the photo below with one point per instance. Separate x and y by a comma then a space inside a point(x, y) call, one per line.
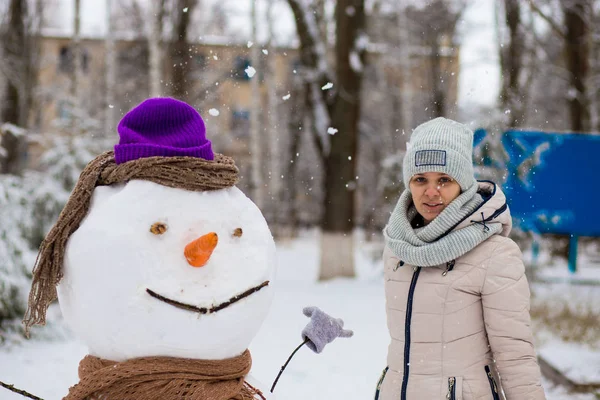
point(445, 180)
point(158, 228)
point(419, 179)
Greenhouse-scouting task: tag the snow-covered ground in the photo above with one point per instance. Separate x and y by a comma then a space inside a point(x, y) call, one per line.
point(347, 369)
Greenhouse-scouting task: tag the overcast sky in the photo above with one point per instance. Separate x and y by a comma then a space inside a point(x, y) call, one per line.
point(479, 72)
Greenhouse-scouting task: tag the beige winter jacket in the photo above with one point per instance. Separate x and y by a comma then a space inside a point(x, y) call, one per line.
point(453, 321)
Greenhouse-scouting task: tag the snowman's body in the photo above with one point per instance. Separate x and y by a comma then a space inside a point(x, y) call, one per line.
point(117, 259)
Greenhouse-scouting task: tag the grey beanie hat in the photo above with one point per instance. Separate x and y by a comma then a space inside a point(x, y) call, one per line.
point(441, 145)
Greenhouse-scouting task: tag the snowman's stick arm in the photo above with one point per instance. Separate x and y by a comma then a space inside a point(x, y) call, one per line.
point(19, 391)
point(286, 363)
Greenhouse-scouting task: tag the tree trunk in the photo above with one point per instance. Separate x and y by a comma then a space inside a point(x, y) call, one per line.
point(14, 53)
point(270, 83)
point(576, 50)
point(76, 54)
point(296, 127)
point(438, 96)
point(337, 255)
point(156, 18)
point(406, 102)
point(13, 146)
point(511, 63)
point(343, 111)
point(180, 56)
point(255, 121)
point(109, 119)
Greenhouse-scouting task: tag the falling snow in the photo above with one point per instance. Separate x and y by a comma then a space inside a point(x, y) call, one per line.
point(214, 112)
point(332, 130)
point(250, 71)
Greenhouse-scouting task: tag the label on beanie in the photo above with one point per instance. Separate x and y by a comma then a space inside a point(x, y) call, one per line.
point(430, 157)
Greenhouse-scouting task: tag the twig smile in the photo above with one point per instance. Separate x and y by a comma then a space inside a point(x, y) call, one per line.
point(207, 310)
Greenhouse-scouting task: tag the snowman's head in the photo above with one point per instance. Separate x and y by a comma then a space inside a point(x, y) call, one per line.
point(159, 271)
point(157, 253)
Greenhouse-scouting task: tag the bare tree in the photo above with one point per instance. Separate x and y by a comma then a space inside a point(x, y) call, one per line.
point(19, 50)
point(76, 56)
point(272, 134)
point(157, 11)
point(575, 32)
point(577, 39)
point(297, 110)
point(109, 120)
point(180, 54)
point(436, 23)
point(340, 110)
point(13, 44)
point(255, 120)
point(512, 94)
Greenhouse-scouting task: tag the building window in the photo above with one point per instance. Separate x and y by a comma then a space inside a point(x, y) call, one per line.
point(240, 123)
point(85, 61)
point(239, 68)
point(201, 61)
point(65, 60)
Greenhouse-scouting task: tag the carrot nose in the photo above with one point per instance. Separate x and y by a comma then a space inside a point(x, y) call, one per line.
point(198, 252)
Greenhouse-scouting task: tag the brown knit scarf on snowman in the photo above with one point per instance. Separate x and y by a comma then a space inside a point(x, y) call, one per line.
point(164, 378)
point(190, 173)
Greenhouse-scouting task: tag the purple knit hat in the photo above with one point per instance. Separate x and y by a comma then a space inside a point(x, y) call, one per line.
point(162, 127)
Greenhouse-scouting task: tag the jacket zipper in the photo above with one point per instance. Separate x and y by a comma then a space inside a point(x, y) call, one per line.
point(449, 267)
point(380, 382)
point(451, 389)
point(492, 383)
point(411, 293)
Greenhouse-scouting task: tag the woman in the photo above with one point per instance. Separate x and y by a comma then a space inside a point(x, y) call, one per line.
point(457, 298)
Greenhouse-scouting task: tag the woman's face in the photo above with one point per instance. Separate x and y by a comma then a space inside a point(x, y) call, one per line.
point(432, 192)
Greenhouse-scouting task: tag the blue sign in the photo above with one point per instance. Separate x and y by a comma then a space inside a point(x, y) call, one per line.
point(553, 183)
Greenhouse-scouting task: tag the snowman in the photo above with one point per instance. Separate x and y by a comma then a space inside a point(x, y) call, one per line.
point(161, 265)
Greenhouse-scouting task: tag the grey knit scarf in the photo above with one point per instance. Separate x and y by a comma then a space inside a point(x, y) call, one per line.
point(437, 243)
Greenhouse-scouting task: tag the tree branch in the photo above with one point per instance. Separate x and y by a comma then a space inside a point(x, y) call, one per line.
point(313, 50)
point(19, 391)
point(316, 75)
point(553, 24)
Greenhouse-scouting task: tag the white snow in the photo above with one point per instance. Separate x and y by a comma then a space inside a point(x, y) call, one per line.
point(287, 96)
point(331, 130)
point(214, 112)
point(348, 369)
point(570, 357)
point(355, 62)
point(113, 258)
point(13, 129)
point(250, 71)
point(327, 86)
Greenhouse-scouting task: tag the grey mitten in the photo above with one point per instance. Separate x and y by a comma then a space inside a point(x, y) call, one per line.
point(322, 329)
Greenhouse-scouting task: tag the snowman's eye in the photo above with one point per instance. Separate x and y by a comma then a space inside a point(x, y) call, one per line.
point(238, 232)
point(158, 228)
